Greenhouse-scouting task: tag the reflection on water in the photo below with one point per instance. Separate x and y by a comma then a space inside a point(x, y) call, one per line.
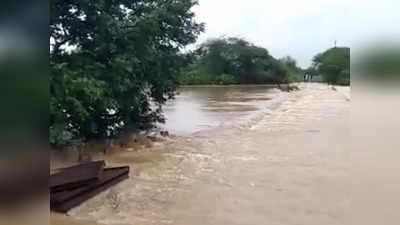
point(205, 107)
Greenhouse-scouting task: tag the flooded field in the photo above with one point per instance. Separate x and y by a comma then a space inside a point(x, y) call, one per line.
point(238, 155)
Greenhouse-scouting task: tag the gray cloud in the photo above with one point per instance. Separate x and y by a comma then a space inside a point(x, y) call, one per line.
point(297, 28)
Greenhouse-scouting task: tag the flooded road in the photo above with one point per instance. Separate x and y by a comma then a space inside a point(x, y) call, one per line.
point(241, 155)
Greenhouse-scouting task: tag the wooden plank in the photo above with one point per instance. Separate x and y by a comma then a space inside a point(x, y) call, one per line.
point(108, 173)
point(76, 176)
point(64, 201)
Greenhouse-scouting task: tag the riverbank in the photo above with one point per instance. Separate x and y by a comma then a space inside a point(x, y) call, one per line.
point(273, 162)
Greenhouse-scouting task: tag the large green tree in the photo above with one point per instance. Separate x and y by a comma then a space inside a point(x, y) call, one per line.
point(114, 63)
point(233, 60)
point(334, 65)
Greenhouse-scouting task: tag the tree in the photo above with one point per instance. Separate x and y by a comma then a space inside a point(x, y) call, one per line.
point(233, 60)
point(294, 73)
point(289, 61)
point(334, 65)
point(114, 63)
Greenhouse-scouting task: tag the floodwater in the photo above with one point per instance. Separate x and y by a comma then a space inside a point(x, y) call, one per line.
point(238, 155)
point(201, 108)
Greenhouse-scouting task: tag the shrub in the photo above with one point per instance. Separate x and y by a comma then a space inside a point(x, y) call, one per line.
point(225, 79)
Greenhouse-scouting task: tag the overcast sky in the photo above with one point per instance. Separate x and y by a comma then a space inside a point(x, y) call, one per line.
point(299, 28)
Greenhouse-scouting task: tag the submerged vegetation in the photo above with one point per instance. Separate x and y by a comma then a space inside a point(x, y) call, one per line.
point(236, 61)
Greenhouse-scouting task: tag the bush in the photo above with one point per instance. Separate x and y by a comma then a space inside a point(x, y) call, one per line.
point(194, 75)
point(60, 136)
point(225, 79)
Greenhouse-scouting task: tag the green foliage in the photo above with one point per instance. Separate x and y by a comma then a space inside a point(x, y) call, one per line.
point(233, 60)
point(334, 65)
point(114, 64)
point(294, 73)
point(343, 78)
point(194, 74)
point(225, 79)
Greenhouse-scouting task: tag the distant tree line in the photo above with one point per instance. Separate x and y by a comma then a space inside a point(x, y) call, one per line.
point(236, 61)
point(114, 64)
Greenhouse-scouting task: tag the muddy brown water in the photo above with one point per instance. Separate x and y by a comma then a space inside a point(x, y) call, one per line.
point(240, 155)
point(201, 108)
